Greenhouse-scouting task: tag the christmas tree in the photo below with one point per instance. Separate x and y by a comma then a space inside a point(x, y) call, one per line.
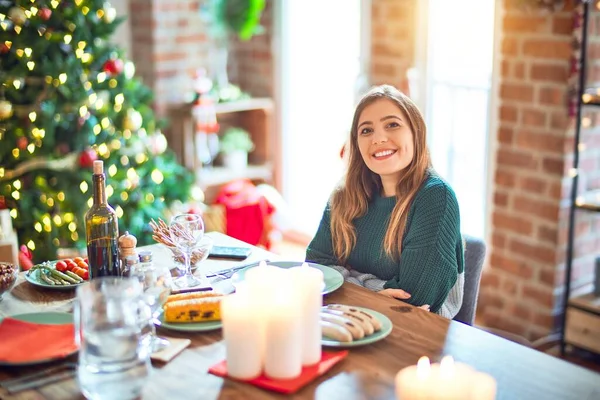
point(67, 97)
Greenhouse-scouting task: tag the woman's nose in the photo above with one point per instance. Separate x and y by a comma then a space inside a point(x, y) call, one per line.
point(379, 137)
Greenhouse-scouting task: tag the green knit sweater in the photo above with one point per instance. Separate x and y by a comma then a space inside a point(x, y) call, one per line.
point(432, 250)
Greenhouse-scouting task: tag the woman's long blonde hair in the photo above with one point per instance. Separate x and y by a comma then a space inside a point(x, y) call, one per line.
point(361, 185)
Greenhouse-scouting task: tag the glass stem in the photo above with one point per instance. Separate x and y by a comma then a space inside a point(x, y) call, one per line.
point(188, 263)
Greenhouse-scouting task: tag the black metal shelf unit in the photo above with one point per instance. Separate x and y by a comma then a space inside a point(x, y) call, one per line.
point(589, 201)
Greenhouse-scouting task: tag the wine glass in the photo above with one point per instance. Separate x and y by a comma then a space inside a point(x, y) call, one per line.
point(156, 281)
point(186, 232)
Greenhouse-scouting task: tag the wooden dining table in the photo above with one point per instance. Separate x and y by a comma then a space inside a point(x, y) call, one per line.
point(367, 372)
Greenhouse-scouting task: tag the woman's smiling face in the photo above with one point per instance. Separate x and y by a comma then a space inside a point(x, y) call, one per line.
point(385, 140)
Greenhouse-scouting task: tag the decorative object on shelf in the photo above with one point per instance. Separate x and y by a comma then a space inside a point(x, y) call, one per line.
point(226, 18)
point(235, 145)
point(549, 5)
point(206, 140)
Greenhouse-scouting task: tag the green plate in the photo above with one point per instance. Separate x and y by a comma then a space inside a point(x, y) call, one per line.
point(333, 280)
point(50, 318)
point(386, 329)
point(33, 277)
point(190, 326)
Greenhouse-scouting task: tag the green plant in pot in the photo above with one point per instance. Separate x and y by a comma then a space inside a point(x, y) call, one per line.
point(235, 144)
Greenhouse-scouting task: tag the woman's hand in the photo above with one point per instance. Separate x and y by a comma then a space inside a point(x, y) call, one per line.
point(395, 294)
point(425, 307)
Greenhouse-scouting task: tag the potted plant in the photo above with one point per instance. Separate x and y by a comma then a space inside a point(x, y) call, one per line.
point(235, 146)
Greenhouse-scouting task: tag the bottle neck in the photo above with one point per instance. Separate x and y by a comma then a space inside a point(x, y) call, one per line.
point(99, 184)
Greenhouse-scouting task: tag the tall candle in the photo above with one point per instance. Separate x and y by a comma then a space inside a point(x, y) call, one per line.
point(283, 332)
point(445, 381)
point(243, 336)
point(308, 283)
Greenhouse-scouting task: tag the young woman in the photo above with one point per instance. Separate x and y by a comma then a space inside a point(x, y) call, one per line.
point(393, 225)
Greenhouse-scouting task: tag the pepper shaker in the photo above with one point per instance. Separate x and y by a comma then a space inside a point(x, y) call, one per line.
point(127, 243)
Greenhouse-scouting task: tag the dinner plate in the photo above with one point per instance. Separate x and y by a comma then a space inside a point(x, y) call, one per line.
point(190, 326)
point(50, 318)
point(386, 329)
point(333, 280)
point(33, 277)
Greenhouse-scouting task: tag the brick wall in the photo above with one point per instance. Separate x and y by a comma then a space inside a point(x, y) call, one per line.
point(392, 44)
point(169, 44)
point(522, 289)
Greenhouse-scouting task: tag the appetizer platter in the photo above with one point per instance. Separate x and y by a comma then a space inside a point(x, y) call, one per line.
point(350, 326)
point(59, 275)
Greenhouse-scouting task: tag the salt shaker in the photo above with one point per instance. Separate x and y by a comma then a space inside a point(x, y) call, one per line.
point(127, 243)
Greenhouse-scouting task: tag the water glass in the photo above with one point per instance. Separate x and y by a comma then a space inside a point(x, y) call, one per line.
point(156, 282)
point(114, 360)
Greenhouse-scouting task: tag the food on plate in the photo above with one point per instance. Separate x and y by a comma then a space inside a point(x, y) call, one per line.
point(191, 295)
point(362, 321)
point(336, 332)
point(202, 307)
point(8, 276)
point(356, 312)
point(353, 327)
point(64, 272)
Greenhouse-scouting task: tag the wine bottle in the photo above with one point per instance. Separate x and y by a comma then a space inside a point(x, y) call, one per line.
point(102, 230)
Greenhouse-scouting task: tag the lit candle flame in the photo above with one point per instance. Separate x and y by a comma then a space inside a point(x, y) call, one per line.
point(423, 368)
point(447, 366)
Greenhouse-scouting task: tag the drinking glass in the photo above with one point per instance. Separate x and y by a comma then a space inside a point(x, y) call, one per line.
point(156, 282)
point(186, 232)
point(114, 360)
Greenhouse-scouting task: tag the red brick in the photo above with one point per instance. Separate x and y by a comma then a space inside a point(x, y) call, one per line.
point(505, 135)
point(505, 323)
point(527, 139)
point(510, 46)
point(383, 69)
point(509, 286)
point(500, 199)
point(516, 91)
point(551, 73)
point(533, 118)
point(549, 276)
point(552, 96)
point(508, 113)
point(536, 252)
point(532, 184)
point(505, 178)
point(555, 190)
point(498, 240)
point(511, 266)
point(514, 158)
point(170, 56)
point(490, 279)
point(533, 206)
point(505, 68)
point(512, 223)
point(562, 25)
point(553, 165)
point(547, 234)
point(524, 23)
point(521, 311)
point(519, 70)
point(559, 120)
point(547, 48)
point(540, 295)
point(544, 319)
point(196, 38)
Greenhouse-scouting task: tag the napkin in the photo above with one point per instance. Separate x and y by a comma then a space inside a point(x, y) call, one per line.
point(24, 342)
point(288, 386)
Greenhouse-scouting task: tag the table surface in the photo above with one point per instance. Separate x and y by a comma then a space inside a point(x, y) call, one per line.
point(366, 373)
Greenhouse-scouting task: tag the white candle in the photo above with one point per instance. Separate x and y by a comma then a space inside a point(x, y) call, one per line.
point(283, 332)
point(308, 282)
point(243, 336)
point(445, 381)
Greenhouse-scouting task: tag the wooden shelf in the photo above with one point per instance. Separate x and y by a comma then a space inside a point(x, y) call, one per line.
point(220, 175)
point(589, 201)
point(258, 103)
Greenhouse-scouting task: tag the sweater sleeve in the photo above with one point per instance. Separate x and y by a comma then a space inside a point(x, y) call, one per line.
point(320, 249)
point(430, 264)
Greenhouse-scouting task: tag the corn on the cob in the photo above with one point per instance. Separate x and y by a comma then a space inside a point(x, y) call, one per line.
point(194, 310)
point(190, 296)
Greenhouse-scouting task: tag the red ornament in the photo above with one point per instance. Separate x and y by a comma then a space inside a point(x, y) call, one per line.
point(45, 13)
point(113, 66)
point(3, 205)
point(4, 48)
point(87, 158)
point(22, 143)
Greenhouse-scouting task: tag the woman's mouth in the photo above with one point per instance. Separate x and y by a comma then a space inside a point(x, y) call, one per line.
point(384, 154)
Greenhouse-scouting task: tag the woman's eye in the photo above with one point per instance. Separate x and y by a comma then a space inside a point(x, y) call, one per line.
point(393, 125)
point(366, 131)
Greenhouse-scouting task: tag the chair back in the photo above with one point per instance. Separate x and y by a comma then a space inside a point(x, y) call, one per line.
point(474, 256)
